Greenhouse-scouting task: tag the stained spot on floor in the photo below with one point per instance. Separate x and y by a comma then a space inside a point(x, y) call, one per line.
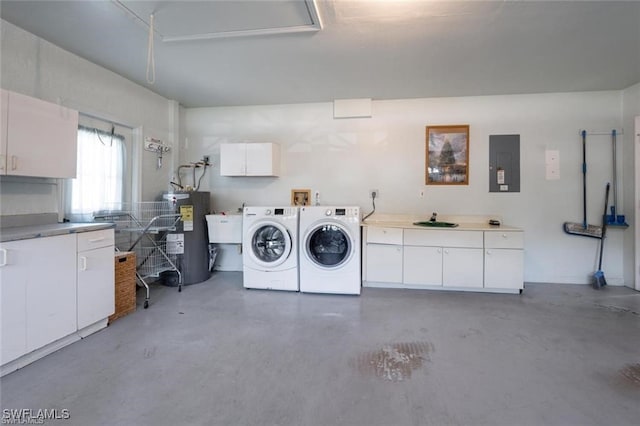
point(618, 309)
point(149, 352)
point(394, 362)
point(631, 374)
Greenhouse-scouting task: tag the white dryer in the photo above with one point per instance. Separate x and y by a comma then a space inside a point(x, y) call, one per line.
point(270, 248)
point(330, 249)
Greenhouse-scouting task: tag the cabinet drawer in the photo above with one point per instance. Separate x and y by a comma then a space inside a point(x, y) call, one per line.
point(504, 239)
point(380, 235)
point(441, 238)
point(95, 239)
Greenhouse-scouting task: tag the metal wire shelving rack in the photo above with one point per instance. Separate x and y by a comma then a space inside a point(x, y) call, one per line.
point(143, 227)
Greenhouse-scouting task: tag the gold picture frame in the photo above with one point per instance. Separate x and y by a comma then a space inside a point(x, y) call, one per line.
point(447, 155)
point(300, 197)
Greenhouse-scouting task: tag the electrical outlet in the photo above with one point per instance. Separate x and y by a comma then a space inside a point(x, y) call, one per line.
point(206, 159)
point(373, 193)
point(421, 193)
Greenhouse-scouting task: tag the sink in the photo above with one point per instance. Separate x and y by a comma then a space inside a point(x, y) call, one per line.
point(436, 224)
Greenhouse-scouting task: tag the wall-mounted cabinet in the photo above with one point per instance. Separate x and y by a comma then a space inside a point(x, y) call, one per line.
point(249, 159)
point(38, 138)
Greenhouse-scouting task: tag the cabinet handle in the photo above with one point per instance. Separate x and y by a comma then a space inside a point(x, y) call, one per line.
point(95, 240)
point(446, 252)
point(439, 250)
point(14, 162)
point(3, 256)
point(83, 263)
point(2, 162)
point(504, 235)
point(489, 252)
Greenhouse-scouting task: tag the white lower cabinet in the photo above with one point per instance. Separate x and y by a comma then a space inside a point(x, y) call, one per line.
point(96, 296)
point(38, 293)
point(474, 260)
point(422, 266)
point(384, 254)
point(49, 291)
point(504, 260)
point(443, 258)
point(384, 263)
point(462, 267)
point(13, 300)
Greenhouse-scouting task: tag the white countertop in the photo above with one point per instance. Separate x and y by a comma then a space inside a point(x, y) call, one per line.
point(465, 223)
point(49, 230)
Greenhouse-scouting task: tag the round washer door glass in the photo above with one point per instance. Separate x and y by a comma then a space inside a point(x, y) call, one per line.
point(270, 244)
point(329, 245)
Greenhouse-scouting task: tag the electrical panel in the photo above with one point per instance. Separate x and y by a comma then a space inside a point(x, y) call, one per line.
point(504, 163)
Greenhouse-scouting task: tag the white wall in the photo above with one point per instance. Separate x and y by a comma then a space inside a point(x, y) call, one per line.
point(631, 165)
point(35, 67)
point(345, 158)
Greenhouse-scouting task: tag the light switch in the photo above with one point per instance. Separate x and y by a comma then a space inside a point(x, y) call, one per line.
point(552, 164)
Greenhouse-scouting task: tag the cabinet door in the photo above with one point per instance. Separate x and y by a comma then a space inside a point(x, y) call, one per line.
point(4, 103)
point(422, 265)
point(262, 159)
point(384, 263)
point(462, 267)
point(42, 138)
point(14, 258)
point(504, 268)
point(51, 290)
point(96, 294)
point(233, 159)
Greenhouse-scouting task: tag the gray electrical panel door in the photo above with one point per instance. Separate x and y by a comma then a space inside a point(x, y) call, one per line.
point(504, 163)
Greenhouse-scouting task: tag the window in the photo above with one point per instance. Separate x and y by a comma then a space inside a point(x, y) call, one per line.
point(103, 173)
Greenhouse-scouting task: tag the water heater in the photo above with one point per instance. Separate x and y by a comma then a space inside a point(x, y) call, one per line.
point(189, 241)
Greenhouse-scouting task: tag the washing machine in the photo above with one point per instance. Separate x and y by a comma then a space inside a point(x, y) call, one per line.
point(270, 248)
point(330, 249)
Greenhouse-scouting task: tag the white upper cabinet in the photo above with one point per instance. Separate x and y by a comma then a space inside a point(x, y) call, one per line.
point(249, 159)
point(38, 138)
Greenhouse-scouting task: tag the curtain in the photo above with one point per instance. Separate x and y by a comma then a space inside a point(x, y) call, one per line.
point(99, 183)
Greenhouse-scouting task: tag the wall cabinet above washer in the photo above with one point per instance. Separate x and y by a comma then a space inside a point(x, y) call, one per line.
point(249, 159)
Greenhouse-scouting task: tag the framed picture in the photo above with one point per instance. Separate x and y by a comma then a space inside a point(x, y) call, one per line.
point(447, 151)
point(300, 197)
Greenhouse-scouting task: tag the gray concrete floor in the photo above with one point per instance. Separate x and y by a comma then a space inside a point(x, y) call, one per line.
point(217, 354)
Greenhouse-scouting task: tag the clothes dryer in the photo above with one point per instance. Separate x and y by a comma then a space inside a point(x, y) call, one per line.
point(330, 249)
point(270, 248)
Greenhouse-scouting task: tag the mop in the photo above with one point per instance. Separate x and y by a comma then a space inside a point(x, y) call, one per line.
point(598, 277)
point(583, 229)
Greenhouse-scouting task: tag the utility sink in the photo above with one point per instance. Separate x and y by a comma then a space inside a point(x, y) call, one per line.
point(436, 224)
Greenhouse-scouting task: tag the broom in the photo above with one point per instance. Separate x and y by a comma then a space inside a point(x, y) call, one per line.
point(583, 229)
point(598, 277)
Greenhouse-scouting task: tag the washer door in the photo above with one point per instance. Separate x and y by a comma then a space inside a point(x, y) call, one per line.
point(328, 245)
point(270, 244)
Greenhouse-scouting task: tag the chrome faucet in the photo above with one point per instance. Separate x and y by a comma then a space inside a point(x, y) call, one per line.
point(433, 217)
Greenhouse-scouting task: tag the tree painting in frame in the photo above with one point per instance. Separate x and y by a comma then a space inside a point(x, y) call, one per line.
point(447, 149)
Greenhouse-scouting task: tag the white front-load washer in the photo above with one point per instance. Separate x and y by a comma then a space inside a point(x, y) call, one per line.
point(270, 248)
point(330, 249)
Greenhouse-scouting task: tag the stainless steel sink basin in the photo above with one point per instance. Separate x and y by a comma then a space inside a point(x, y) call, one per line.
point(436, 224)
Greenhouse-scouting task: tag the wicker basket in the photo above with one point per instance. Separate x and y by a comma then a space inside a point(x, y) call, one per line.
point(125, 284)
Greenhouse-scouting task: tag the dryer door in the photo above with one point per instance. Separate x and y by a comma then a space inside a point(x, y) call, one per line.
point(270, 244)
point(328, 245)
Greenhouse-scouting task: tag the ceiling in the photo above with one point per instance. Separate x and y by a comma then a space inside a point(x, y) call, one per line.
point(240, 52)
